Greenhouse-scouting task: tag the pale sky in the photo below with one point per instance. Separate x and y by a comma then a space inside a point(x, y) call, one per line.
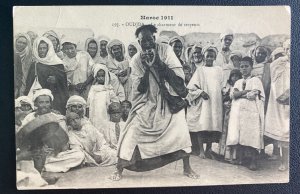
point(258, 19)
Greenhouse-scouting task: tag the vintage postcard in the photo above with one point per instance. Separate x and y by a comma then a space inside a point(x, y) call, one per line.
point(151, 96)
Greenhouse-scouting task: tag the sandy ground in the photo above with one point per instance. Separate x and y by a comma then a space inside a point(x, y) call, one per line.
point(211, 173)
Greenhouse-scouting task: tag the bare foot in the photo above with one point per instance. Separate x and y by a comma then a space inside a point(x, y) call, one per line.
point(202, 155)
point(282, 168)
point(253, 166)
point(116, 176)
point(191, 174)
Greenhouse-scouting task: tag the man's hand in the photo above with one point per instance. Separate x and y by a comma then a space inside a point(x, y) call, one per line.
point(80, 87)
point(204, 95)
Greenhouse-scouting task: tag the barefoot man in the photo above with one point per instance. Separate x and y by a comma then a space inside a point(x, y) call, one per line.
point(156, 131)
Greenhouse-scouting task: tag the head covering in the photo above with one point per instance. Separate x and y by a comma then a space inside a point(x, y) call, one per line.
point(176, 38)
point(236, 53)
point(136, 45)
point(26, 54)
point(54, 34)
point(23, 99)
point(279, 50)
point(100, 38)
point(227, 32)
point(74, 100)
point(69, 40)
point(287, 44)
point(112, 43)
point(87, 42)
point(162, 39)
point(210, 47)
point(98, 67)
point(42, 92)
point(114, 107)
point(51, 57)
point(264, 48)
point(32, 35)
point(197, 45)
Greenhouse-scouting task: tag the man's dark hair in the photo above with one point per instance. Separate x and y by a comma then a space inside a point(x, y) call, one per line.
point(148, 27)
point(68, 43)
point(248, 59)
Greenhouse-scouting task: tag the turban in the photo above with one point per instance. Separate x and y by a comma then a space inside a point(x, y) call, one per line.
point(209, 47)
point(176, 38)
point(23, 99)
point(112, 43)
point(69, 40)
point(42, 92)
point(114, 107)
point(236, 53)
point(228, 32)
point(197, 45)
point(163, 39)
point(73, 100)
point(278, 51)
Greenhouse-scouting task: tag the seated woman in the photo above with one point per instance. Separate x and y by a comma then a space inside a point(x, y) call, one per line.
point(96, 149)
point(105, 90)
point(49, 70)
point(119, 65)
point(246, 122)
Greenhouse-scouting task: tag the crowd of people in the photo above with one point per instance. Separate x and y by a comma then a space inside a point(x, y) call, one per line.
point(143, 106)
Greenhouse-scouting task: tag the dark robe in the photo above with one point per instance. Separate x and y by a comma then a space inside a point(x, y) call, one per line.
point(59, 89)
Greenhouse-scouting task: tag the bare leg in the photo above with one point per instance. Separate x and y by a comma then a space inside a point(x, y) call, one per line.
point(187, 170)
point(117, 175)
point(253, 164)
point(284, 159)
point(202, 154)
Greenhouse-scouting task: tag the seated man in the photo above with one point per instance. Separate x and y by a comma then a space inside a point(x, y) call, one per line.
point(77, 104)
point(57, 160)
point(97, 151)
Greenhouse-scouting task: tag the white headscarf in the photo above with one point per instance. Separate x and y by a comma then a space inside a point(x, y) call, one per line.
point(42, 92)
point(51, 57)
point(112, 43)
point(74, 100)
point(98, 67)
point(25, 99)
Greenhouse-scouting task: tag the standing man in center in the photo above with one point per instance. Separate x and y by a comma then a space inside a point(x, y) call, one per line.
point(156, 132)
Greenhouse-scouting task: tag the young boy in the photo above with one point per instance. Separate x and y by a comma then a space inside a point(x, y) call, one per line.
point(246, 122)
point(126, 106)
point(85, 135)
point(114, 125)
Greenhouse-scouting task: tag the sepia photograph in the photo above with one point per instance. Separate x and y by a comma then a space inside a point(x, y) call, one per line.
point(151, 96)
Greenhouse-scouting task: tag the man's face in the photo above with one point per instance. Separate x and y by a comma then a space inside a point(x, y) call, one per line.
point(126, 108)
point(54, 42)
point(132, 50)
point(103, 44)
point(25, 106)
point(43, 49)
point(236, 61)
point(187, 74)
point(227, 41)
point(92, 49)
point(75, 123)
point(100, 77)
point(260, 55)
point(197, 55)
point(209, 57)
point(234, 78)
point(146, 40)
point(43, 104)
point(117, 51)
point(78, 109)
point(70, 50)
point(115, 117)
point(245, 68)
point(21, 43)
point(177, 48)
